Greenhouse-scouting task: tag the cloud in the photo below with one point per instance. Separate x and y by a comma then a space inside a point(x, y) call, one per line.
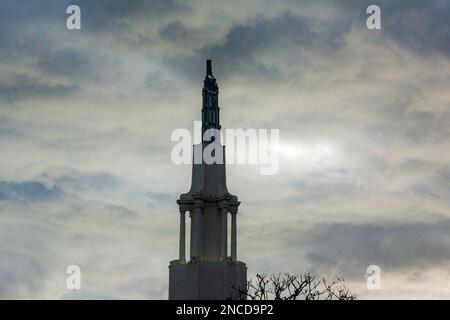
point(68, 62)
point(287, 38)
point(29, 191)
point(175, 31)
point(83, 181)
point(23, 87)
point(86, 118)
point(77, 221)
point(20, 275)
point(119, 16)
point(353, 247)
point(421, 27)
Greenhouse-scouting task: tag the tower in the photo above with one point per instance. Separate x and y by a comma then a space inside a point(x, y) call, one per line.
point(212, 271)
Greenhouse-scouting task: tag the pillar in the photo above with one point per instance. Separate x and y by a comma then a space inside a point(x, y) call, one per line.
point(233, 236)
point(198, 231)
point(224, 252)
point(182, 235)
point(191, 234)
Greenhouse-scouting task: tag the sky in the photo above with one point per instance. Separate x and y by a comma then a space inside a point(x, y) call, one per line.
point(86, 117)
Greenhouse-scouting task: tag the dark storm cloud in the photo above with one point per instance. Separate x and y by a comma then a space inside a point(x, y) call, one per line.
point(28, 12)
point(97, 15)
point(26, 42)
point(288, 34)
point(353, 247)
point(420, 26)
point(43, 56)
point(34, 36)
point(244, 41)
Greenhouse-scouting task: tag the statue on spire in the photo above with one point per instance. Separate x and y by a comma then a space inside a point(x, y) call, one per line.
point(208, 68)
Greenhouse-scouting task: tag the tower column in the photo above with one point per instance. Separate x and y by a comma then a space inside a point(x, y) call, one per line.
point(182, 235)
point(224, 233)
point(198, 231)
point(233, 236)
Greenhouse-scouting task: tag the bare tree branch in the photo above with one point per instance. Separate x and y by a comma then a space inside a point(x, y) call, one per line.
point(293, 287)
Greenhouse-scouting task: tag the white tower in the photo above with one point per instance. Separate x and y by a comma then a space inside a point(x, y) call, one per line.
point(212, 271)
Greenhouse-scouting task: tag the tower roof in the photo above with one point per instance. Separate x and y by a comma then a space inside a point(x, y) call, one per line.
point(210, 82)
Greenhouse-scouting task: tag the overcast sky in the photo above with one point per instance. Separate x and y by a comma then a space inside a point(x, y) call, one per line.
point(86, 117)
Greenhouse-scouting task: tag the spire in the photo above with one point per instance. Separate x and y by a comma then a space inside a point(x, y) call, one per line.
point(210, 109)
point(209, 272)
point(210, 81)
point(208, 68)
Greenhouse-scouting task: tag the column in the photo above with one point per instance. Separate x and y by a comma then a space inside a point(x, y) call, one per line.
point(233, 236)
point(198, 231)
point(224, 252)
point(191, 235)
point(182, 235)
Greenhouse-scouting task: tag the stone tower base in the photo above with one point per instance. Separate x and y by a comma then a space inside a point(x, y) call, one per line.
point(206, 280)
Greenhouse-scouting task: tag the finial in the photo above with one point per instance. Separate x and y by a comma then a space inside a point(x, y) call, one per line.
point(208, 68)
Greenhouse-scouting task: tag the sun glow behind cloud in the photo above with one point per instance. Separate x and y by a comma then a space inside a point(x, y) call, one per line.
point(309, 156)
